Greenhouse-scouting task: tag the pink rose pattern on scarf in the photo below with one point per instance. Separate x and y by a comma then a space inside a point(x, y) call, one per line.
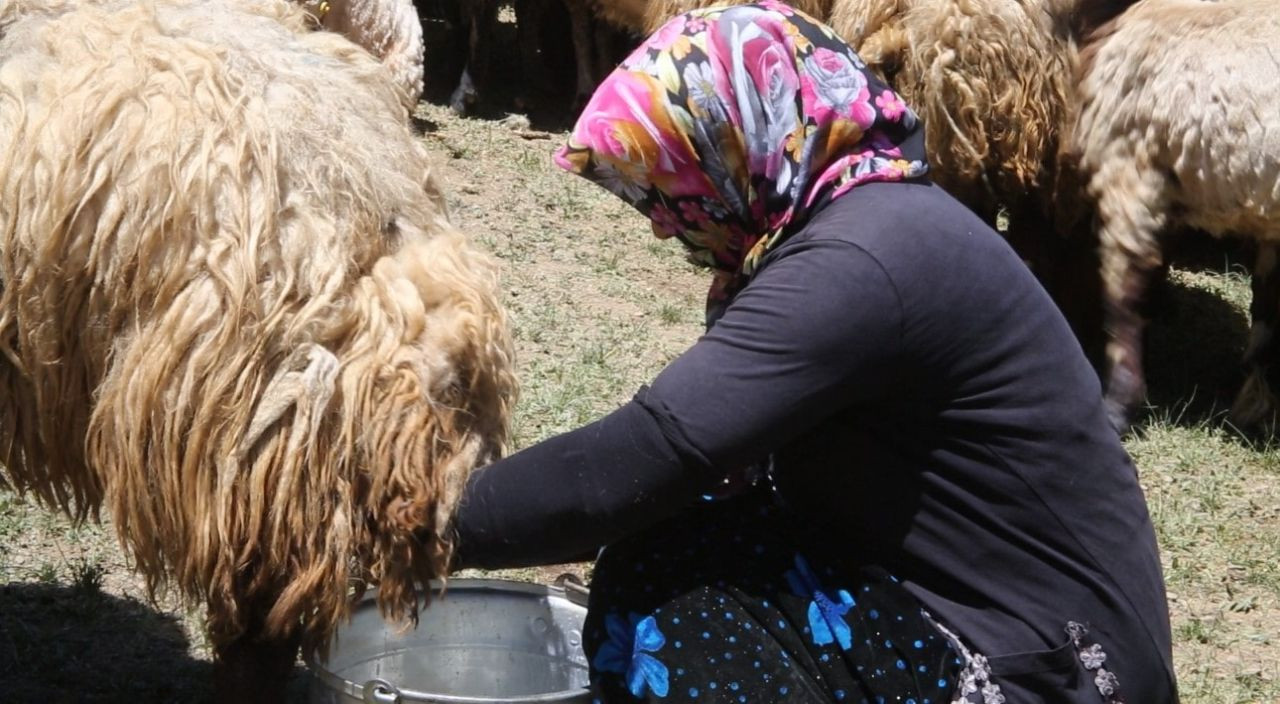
point(728, 126)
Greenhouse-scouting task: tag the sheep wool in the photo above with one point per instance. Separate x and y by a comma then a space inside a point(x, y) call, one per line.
point(647, 16)
point(389, 29)
point(1180, 126)
point(233, 308)
point(657, 12)
point(991, 79)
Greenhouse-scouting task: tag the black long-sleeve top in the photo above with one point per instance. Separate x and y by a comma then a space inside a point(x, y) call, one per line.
point(920, 394)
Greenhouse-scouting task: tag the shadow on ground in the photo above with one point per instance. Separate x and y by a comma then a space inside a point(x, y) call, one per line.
point(76, 644)
point(1199, 252)
point(1193, 350)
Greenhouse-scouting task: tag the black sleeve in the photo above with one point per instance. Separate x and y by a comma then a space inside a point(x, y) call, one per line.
point(818, 329)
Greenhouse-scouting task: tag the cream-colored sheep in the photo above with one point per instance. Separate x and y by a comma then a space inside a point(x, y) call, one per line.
point(1180, 126)
point(234, 311)
point(389, 29)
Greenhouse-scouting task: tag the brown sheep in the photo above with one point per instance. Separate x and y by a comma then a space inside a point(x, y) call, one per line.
point(234, 311)
point(1180, 126)
point(992, 80)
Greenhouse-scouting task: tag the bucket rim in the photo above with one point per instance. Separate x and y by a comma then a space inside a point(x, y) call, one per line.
point(565, 589)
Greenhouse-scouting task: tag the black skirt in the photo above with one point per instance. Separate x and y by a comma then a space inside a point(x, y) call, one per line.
point(735, 601)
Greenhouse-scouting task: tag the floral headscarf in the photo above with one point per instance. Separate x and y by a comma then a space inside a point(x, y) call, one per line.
point(730, 124)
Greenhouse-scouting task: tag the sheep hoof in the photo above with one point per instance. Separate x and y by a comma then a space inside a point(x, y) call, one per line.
point(1118, 416)
point(1255, 406)
point(1125, 389)
point(462, 104)
point(465, 96)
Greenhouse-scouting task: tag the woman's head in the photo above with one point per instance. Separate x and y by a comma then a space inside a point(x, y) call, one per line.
point(729, 125)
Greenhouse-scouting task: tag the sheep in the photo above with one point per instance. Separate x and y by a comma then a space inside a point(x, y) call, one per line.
point(389, 29)
point(473, 22)
point(647, 16)
point(992, 80)
point(597, 46)
point(233, 310)
point(1179, 125)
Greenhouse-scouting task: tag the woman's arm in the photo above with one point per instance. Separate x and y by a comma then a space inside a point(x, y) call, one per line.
point(567, 496)
point(817, 330)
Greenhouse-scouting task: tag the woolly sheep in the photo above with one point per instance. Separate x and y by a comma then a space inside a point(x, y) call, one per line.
point(1180, 126)
point(647, 16)
point(389, 29)
point(992, 80)
point(234, 311)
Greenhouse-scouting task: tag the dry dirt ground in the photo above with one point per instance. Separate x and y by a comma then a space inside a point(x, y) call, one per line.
point(599, 306)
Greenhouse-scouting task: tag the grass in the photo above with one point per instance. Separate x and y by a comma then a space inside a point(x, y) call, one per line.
point(1215, 502)
point(670, 314)
point(598, 307)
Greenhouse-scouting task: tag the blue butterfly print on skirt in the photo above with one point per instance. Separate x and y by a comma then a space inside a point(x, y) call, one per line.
point(627, 652)
point(826, 611)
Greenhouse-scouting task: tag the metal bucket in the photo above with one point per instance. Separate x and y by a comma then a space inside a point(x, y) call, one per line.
point(484, 641)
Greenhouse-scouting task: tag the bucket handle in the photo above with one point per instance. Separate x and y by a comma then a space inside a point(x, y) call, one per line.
point(377, 691)
point(573, 587)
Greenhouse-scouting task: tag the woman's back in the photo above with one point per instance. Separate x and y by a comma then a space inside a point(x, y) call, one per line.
point(980, 469)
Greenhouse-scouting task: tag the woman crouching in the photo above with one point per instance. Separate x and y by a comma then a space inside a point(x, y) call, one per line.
point(885, 472)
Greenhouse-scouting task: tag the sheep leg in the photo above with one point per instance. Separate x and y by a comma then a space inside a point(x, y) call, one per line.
point(480, 17)
point(254, 668)
point(605, 39)
point(1077, 288)
point(1131, 207)
point(580, 21)
point(1256, 403)
point(465, 95)
point(529, 15)
point(447, 51)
